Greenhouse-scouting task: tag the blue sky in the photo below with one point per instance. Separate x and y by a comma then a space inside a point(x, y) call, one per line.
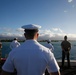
point(57, 17)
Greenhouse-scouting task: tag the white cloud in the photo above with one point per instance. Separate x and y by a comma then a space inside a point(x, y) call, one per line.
point(60, 30)
point(65, 11)
point(57, 36)
point(72, 35)
point(70, 1)
point(5, 29)
point(10, 35)
point(54, 34)
point(57, 30)
point(20, 30)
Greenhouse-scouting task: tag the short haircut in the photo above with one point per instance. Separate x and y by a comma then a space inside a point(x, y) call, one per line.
point(65, 37)
point(15, 38)
point(31, 32)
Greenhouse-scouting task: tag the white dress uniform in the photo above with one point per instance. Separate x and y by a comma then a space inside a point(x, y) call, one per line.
point(14, 44)
point(50, 46)
point(31, 58)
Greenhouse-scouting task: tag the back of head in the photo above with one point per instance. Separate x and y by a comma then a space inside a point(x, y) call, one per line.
point(30, 33)
point(48, 41)
point(15, 38)
point(65, 37)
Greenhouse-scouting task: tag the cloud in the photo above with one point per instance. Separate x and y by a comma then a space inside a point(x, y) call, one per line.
point(70, 1)
point(45, 34)
point(11, 36)
point(57, 36)
point(8, 33)
point(60, 30)
point(57, 30)
point(65, 11)
point(20, 30)
point(53, 34)
point(5, 29)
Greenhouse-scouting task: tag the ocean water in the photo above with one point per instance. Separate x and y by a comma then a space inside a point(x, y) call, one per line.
point(57, 49)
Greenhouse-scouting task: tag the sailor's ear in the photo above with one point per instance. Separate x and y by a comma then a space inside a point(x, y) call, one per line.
point(37, 34)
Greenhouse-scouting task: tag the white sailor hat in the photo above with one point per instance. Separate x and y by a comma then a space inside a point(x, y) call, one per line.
point(31, 26)
point(48, 41)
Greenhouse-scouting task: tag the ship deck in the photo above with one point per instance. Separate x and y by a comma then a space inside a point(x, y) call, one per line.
point(68, 70)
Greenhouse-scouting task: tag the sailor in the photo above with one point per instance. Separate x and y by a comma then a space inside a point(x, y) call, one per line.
point(31, 58)
point(66, 47)
point(14, 43)
point(49, 45)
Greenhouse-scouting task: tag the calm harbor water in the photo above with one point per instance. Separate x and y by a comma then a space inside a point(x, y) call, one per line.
point(57, 49)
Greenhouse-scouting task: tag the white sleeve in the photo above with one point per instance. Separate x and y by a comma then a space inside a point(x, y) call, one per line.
point(52, 46)
point(52, 63)
point(18, 43)
point(8, 65)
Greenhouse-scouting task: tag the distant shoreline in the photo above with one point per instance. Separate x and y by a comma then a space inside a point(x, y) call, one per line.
point(8, 40)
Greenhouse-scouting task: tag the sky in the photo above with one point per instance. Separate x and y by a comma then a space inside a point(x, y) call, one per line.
point(56, 17)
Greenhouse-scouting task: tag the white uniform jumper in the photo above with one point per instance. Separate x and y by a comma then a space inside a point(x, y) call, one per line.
point(50, 46)
point(14, 44)
point(31, 58)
